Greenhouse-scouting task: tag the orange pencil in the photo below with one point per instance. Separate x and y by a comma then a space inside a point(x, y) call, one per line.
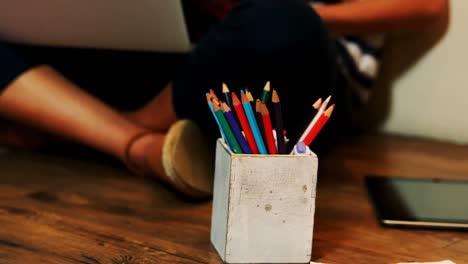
point(268, 129)
point(213, 95)
point(215, 101)
point(318, 125)
point(244, 123)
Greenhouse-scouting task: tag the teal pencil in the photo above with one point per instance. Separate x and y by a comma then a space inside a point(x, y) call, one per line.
point(250, 97)
point(253, 124)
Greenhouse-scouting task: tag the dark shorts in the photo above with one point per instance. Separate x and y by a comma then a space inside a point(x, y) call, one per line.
point(284, 42)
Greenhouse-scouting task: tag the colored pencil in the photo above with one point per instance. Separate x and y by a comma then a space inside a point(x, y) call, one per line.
point(317, 104)
point(274, 137)
point(244, 123)
point(320, 111)
point(210, 105)
point(227, 129)
point(253, 124)
point(214, 101)
point(249, 95)
point(258, 116)
point(319, 125)
point(268, 129)
point(266, 93)
point(227, 96)
point(235, 128)
point(213, 95)
point(278, 117)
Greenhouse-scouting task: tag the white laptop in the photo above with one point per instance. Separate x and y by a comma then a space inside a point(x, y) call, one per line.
point(149, 25)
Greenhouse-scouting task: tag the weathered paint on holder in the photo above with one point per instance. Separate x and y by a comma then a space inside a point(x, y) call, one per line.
point(263, 207)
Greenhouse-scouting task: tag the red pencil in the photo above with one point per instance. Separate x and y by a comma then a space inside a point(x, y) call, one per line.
point(244, 123)
point(258, 116)
point(318, 126)
point(270, 140)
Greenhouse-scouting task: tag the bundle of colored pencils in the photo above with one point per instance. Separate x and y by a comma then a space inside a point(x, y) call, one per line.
point(247, 126)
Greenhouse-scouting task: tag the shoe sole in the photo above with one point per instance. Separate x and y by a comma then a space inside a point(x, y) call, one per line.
point(187, 159)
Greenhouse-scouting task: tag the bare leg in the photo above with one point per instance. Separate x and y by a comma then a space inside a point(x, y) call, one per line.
point(44, 99)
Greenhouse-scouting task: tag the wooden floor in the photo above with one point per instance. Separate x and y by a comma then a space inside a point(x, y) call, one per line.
point(58, 210)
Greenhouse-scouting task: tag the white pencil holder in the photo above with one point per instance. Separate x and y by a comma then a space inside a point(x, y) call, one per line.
point(263, 207)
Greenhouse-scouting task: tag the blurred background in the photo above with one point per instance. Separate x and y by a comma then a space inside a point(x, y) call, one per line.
point(423, 88)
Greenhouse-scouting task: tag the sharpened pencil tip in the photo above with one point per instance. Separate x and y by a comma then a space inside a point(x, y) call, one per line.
point(215, 101)
point(264, 109)
point(317, 104)
point(329, 111)
point(244, 98)
point(216, 106)
point(325, 103)
point(249, 96)
point(225, 88)
point(235, 99)
point(275, 97)
point(267, 87)
point(258, 105)
point(225, 107)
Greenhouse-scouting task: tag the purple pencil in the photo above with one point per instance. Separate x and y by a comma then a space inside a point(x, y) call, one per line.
point(235, 128)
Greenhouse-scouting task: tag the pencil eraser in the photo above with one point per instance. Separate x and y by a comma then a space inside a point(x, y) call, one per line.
point(301, 148)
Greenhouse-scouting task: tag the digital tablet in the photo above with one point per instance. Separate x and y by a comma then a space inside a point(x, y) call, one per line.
point(419, 203)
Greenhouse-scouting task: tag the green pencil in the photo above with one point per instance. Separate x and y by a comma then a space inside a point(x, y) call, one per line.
point(266, 93)
point(227, 129)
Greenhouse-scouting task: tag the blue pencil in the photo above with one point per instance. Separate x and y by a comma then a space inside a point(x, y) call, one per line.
point(227, 96)
point(253, 123)
point(236, 129)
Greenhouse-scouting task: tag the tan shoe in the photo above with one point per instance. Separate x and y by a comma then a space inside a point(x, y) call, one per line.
point(187, 159)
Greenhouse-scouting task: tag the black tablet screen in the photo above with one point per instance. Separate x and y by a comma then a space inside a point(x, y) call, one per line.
point(429, 200)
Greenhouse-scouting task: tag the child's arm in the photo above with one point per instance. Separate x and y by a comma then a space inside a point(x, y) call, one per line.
point(377, 16)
